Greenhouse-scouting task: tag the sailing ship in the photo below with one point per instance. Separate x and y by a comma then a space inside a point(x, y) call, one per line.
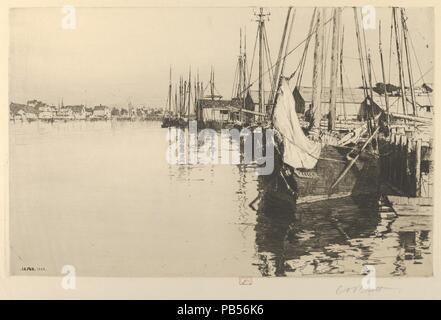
point(312, 162)
point(186, 103)
point(168, 119)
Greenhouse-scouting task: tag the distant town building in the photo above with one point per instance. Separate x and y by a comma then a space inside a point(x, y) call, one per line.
point(46, 112)
point(217, 110)
point(101, 112)
point(78, 112)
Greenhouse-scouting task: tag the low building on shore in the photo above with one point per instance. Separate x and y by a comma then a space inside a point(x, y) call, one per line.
point(218, 110)
point(78, 112)
point(46, 112)
point(101, 112)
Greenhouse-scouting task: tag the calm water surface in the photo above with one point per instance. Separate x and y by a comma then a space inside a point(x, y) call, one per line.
point(100, 196)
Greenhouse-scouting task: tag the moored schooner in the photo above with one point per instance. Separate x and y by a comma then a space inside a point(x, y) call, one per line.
point(169, 117)
point(314, 162)
point(185, 100)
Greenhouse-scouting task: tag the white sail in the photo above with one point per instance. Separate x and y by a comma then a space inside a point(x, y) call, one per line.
point(299, 151)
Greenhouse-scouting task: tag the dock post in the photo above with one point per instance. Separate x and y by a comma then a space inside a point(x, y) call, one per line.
point(403, 160)
point(418, 168)
point(391, 157)
point(408, 166)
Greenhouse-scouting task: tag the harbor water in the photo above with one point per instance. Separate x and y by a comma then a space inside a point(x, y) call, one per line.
point(100, 196)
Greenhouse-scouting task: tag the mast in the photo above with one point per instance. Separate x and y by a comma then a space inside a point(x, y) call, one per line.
point(261, 25)
point(184, 108)
point(334, 69)
point(360, 53)
point(244, 65)
point(341, 73)
point(244, 76)
point(284, 47)
point(189, 93)
point(212, 83)
point(371, 91)
point(386, 95)
point(261, 62)
point(240, 66)
point(400, 62)
point(176, 99)
point(317, 78)
point(280, 57)
point(169, 93)
point(409, 66)
point(180, 97)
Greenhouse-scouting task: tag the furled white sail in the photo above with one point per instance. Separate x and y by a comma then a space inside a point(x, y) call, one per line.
point(299, 151)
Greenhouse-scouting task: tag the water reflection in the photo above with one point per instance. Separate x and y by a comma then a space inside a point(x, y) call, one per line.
point(101, 196)
point(339, 237)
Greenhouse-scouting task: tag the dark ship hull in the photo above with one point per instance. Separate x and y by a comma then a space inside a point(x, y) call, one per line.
point(295, 187)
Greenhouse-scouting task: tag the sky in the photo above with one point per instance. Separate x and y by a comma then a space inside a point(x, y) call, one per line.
point(119, 55)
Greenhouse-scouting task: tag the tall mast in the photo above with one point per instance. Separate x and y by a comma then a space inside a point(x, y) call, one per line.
point(189, 93)
point(196, 97)
point(169, 93)
point(180, 96)
point(409, 66)
point(386, 95)
point(261, 27)
point(244, 76)
point(280, 64)
point(400, 61)
point(184, 108)
point(317, 77)
point(360, 53)
point(334, 69)
point(176, 99)
point(244, 63)
point(239, 73)
point(280, 57)
point(239, 85)
point(341, 72)
point(212, 83)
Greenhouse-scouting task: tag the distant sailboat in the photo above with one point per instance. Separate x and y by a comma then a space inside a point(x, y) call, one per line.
point(167, 119)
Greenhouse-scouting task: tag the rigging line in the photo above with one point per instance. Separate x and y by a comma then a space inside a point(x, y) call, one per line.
point(375, 76)
point(408, 60)
point(349, 83)
point(326, 50)
point(302, 63)
point(268, 56)
point(390, 47)
point(288, 41)
point(400, 61)
point(235, 80)
point(341, 72)
point(360, 52)
point(365, 45)
point(254, 53)
point(416, 58)
point(430, 69)
point(282, 44)
point(277, 85)
point(291, 51)
point(418, 64)
point(266, 42)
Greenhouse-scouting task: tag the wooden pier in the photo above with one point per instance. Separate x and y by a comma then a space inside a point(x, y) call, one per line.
point(407, 170)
